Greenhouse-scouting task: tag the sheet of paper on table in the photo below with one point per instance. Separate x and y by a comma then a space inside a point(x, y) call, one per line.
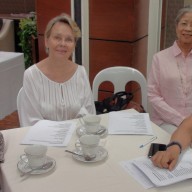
point(123, 122)
point(50, 133)
point(149, 176)
point(138, 175)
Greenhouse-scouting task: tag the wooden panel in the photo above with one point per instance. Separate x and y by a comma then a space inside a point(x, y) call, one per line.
point(35, 49)
point(118, 20)
point(43, 18)
point(46, 10)
point(41, 43)
point(53, 5)
point(17, 6)
point(118, 36)
point(139, 59)
point(164, 9)
point(105, 54)
point(163, 24)
point(139, 62)
point(141, 19)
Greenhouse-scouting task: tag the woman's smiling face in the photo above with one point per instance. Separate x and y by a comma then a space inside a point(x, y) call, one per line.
point(61, 42)
point(184, 29)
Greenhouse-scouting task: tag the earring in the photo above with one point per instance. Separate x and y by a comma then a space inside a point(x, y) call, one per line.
point(47, 50)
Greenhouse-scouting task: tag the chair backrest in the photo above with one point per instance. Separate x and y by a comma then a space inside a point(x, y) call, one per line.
point(7, 38)
point(19, 103)
point(119, 76)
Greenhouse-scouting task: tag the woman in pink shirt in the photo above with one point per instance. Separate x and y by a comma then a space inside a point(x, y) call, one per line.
point(170, 78)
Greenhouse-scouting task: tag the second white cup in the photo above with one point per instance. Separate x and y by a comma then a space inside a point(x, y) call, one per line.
point(88, 144)
point(91, 123)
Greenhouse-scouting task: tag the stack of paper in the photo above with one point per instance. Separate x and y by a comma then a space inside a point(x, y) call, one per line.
point(50, 133)
point(123, 122)
point(153, 176)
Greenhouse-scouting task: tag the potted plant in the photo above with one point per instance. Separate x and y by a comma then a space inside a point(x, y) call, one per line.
point(27, 32)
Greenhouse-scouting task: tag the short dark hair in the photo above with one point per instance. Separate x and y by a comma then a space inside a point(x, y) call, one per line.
point(181, 12)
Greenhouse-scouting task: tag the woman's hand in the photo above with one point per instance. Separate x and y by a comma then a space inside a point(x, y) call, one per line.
point(166, 159)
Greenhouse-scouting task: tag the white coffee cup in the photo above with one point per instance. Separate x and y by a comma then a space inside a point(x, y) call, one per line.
point(88, 144)
point(91, 123)
point(35, 154)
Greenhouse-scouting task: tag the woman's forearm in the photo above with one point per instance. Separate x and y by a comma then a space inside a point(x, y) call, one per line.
point(183, 134)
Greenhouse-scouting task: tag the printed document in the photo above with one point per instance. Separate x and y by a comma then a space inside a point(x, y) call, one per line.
point(50, 133)
point(123, 122)
point(138, 175)
point(154, 176)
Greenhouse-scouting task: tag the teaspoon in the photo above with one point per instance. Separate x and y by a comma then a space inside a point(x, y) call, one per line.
point(100, 132)
point(42, 167)
point(86, 157)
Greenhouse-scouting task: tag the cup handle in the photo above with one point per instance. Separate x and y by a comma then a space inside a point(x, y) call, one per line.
point(24, 158)
point(78, 146)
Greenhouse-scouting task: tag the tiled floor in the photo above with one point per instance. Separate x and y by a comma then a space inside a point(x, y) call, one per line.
point(10, 121)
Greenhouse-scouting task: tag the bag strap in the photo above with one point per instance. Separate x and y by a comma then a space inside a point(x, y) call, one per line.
point(118, 101)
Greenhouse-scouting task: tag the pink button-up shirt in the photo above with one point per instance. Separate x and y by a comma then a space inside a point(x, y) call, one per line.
point(170, 86)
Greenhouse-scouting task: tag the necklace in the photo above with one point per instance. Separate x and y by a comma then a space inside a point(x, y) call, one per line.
point(183, 83)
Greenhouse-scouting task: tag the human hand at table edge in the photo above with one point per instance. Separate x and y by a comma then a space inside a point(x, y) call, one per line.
point(166, 159)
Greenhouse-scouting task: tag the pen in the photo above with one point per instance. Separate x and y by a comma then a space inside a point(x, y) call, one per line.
point(151, 140)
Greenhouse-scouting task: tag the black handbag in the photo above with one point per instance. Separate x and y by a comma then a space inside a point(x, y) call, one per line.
point(116, 102)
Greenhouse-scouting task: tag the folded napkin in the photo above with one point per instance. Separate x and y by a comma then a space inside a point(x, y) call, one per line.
point(1, 148)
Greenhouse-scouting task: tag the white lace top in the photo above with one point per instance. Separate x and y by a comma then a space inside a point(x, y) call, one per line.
point(46, 99)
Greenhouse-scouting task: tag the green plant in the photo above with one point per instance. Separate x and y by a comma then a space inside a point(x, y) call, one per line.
point(28, 29)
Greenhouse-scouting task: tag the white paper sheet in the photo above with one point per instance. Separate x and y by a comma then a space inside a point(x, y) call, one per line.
point(139, 176)
point(143, 170)
point(123, 122)
point(163, 177)
point(50, 133)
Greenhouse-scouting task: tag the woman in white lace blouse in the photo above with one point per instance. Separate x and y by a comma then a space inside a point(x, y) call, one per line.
point(57, 88)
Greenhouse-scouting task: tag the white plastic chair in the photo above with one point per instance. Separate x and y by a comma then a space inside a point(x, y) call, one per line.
point(7, 38)
point(119, 76)
point(19, 103)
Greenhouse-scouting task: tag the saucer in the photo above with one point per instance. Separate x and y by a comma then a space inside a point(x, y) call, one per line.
point(23, 166)
point(101, 155)
point(82, 131)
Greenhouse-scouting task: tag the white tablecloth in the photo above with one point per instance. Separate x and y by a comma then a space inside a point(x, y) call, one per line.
point(73, 176)
point(11, 80)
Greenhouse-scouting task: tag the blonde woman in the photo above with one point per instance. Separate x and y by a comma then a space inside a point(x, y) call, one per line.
point(57, 88)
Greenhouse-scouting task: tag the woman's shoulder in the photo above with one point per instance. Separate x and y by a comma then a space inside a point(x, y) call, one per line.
point(32, 73)
point(30, 69)
point(81, 69)
point(164, 52)
point(81, 72)
point(35, 67)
